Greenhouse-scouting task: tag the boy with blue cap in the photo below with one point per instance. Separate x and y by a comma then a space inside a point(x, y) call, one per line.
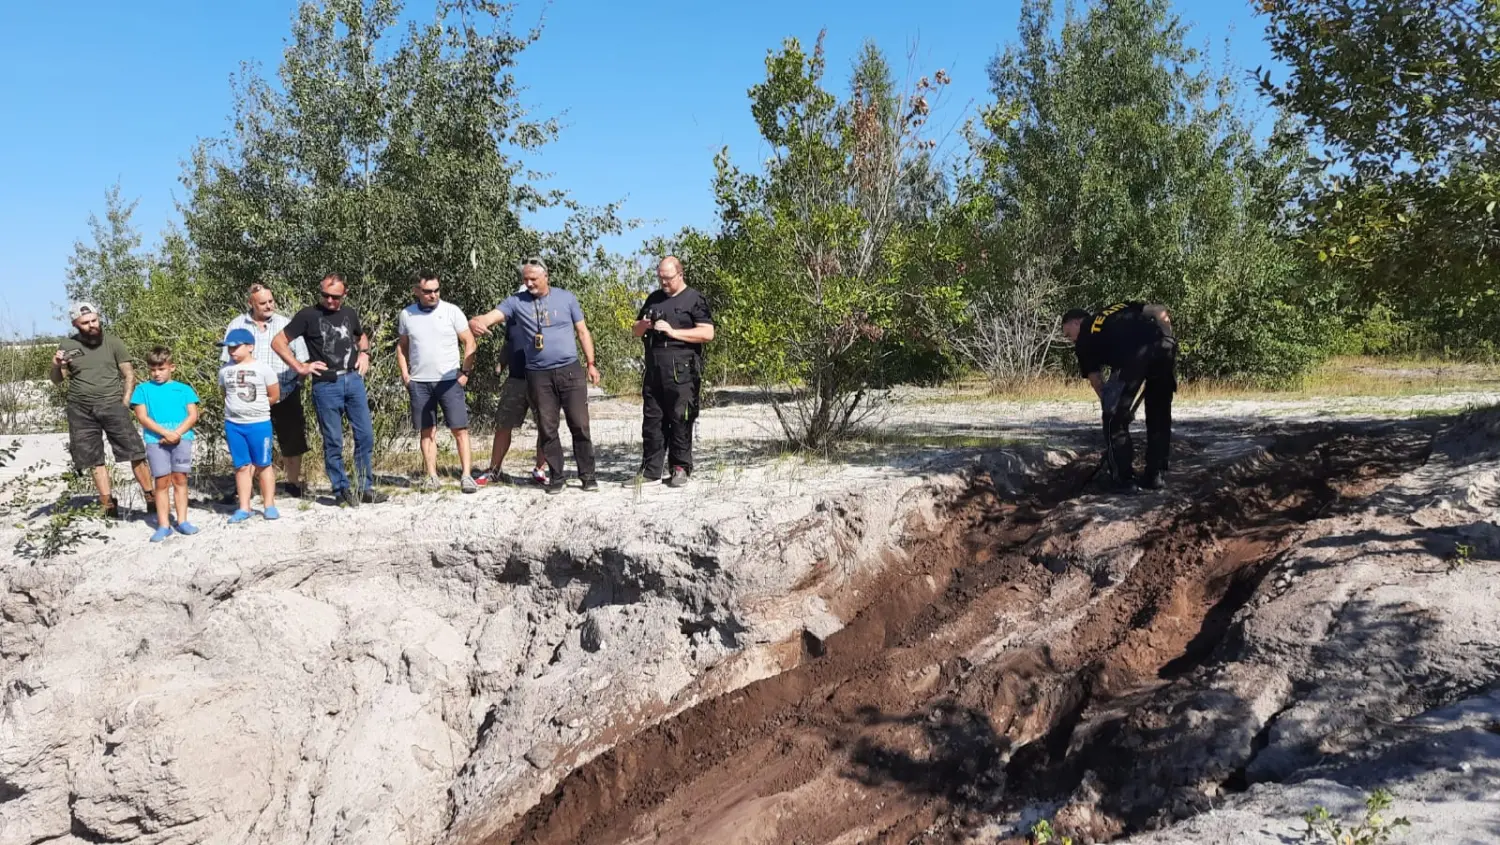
point(250, 389)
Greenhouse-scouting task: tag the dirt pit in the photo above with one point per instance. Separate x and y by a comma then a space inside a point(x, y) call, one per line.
point(1018, 656)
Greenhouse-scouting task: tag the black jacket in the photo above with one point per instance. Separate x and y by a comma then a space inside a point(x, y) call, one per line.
point(1119, 337)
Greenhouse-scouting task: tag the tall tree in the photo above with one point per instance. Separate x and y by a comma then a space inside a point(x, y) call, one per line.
point(1404, 98)
point(113, 268)
point(1115, 164)
point(810, 256)
point(384, 150)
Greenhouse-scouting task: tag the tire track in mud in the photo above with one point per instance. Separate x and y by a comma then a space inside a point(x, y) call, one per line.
point(907, 724)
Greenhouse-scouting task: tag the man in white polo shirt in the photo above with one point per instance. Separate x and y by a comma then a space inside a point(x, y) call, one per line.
point(435, 372)
point(288, 424)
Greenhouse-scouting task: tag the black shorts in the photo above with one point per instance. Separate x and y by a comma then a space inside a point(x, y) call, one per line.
point(288, 424)
point(514, 402)
point(89, 424)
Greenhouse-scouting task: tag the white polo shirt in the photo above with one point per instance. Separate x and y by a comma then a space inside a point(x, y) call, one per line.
point(433, 353)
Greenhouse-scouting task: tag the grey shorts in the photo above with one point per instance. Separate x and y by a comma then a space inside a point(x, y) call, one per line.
point(510, 410)
point(165, 460)
point(427, 396)
point(89, 425)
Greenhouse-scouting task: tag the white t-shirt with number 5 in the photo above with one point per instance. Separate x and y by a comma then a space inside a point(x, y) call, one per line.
point(246, 395)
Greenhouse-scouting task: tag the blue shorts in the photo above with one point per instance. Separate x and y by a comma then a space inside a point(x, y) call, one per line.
point(249, 443)
point(428, 396)
point(165, 460)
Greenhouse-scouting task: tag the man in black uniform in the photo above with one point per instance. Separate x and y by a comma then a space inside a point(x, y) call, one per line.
point(1136, 342)
point(673, 324)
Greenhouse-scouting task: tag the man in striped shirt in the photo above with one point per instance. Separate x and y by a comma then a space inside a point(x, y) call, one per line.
point(288, 424)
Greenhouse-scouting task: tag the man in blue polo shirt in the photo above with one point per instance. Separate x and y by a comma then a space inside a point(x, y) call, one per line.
point(543, 321)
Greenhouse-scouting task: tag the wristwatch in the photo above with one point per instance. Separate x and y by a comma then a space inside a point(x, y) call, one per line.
point(463, 372)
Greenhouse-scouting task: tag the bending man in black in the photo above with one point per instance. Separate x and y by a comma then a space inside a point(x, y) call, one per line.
point(1136, 342)
point(674, 323)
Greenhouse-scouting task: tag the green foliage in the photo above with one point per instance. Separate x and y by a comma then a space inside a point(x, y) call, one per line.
point(65, 527)
point(1400, 95)
point(1112, 161)
point(62, 532)
point(1323, 826)
point(810, 269)
point(386, 149)
point(1042, 833)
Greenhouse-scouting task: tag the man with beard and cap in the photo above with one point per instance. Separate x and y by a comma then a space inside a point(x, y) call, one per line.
point(100, 378)
point(1135, 340)
point(673, 325)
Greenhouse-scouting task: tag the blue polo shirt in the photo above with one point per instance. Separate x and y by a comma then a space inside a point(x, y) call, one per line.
point(553, 316)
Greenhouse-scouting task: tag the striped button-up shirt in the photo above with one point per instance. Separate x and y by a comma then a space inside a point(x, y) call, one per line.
point(263, 351)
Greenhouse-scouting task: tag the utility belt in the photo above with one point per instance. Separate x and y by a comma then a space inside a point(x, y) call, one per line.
point(670, 356)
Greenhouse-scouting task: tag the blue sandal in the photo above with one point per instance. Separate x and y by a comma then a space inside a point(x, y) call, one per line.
point(161, 534)
point(239, 516)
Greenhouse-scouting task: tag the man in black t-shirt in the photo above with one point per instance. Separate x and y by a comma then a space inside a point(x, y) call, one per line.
point(1135, 340)
point(338, 352)
point(673, 324)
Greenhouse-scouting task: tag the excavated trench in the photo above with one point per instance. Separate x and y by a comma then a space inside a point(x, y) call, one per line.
point(1006, 661)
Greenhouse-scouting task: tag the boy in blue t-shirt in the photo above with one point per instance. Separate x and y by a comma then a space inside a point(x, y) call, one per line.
point(167, 411)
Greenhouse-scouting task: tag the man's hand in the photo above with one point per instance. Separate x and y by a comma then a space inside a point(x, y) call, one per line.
point(406, 379)
point(362, 363)
point(594, 375)
point(665, 328)
point(463, 379)
point(314, 368)
point(171, 438)
point(59, 358)
point(478, 327)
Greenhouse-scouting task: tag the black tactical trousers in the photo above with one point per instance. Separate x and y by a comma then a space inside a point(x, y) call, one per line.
point(670, 393)
point(1156, 371)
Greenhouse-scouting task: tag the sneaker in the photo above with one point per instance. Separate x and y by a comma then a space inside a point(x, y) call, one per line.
point(679, 477)
point(347, 498)
point(540, 476)
point(1153, 481)
point(482, 478)
point(187, 528)
point(467, 484)
point(591, 485)
point(161, 534)
point(373, 497)
point(272, 513)
point(430, 483)
point(293, 490)
point(639, 479)
point(554, 489)
point(239, 516)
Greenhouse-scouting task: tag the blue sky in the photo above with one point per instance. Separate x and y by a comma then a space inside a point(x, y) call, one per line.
point(97, 91)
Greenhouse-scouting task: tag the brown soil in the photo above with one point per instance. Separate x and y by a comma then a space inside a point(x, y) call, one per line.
point(913, 722)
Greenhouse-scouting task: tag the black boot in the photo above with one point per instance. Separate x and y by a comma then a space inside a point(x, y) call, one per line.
point(1154, 479)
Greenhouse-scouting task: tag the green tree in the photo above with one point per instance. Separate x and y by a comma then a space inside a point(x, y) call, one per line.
point(112, 269)
point(384, 150)
point(1401, 95)
point(1112, 165)
point(809, 265)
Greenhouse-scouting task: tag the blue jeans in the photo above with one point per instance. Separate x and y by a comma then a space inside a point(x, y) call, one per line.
point(334, 400)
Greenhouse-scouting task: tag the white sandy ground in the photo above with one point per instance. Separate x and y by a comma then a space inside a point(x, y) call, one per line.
point(407, 672)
